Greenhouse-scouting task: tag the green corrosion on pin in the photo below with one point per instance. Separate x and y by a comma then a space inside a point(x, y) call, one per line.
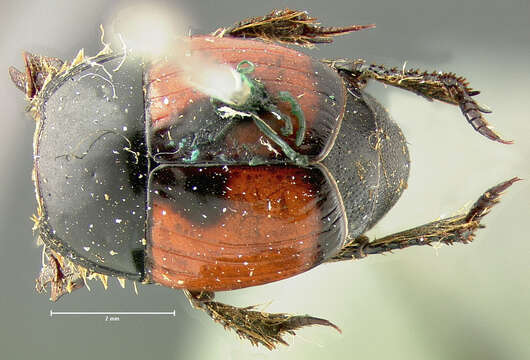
point(260, 101)
point(193, 156)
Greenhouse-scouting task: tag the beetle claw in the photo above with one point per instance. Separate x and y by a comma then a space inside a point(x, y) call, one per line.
point(484, 109)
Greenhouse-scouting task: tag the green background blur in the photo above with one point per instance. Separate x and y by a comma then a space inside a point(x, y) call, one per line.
point(462, 302)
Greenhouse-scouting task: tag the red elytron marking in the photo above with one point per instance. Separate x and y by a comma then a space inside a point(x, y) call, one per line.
point(270, 231)
point(280, 69)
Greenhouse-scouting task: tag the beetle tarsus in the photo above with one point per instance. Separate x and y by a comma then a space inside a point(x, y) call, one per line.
point(459, 228)
point(491, 197)
point(287, 26)
point(446, 87)
point(258, 327)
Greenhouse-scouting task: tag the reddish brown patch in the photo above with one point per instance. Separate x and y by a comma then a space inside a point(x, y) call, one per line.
point(317, 89)
point(271, 229)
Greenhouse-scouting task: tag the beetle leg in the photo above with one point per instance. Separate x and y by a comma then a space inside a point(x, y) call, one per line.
point(37, 70)
point(459, 228)
point(258, 327)
point(287, 26)
point(446, 87)
point(63, 279)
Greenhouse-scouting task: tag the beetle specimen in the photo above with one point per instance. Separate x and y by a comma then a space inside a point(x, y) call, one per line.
point(141, 175)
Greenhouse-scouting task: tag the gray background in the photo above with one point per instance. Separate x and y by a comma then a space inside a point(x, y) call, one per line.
point(461, 302)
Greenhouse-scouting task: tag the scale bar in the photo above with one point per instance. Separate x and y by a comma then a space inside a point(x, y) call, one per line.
point(52, 313)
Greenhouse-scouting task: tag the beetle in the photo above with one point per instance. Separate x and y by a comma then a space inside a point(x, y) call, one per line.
point(143, 174)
